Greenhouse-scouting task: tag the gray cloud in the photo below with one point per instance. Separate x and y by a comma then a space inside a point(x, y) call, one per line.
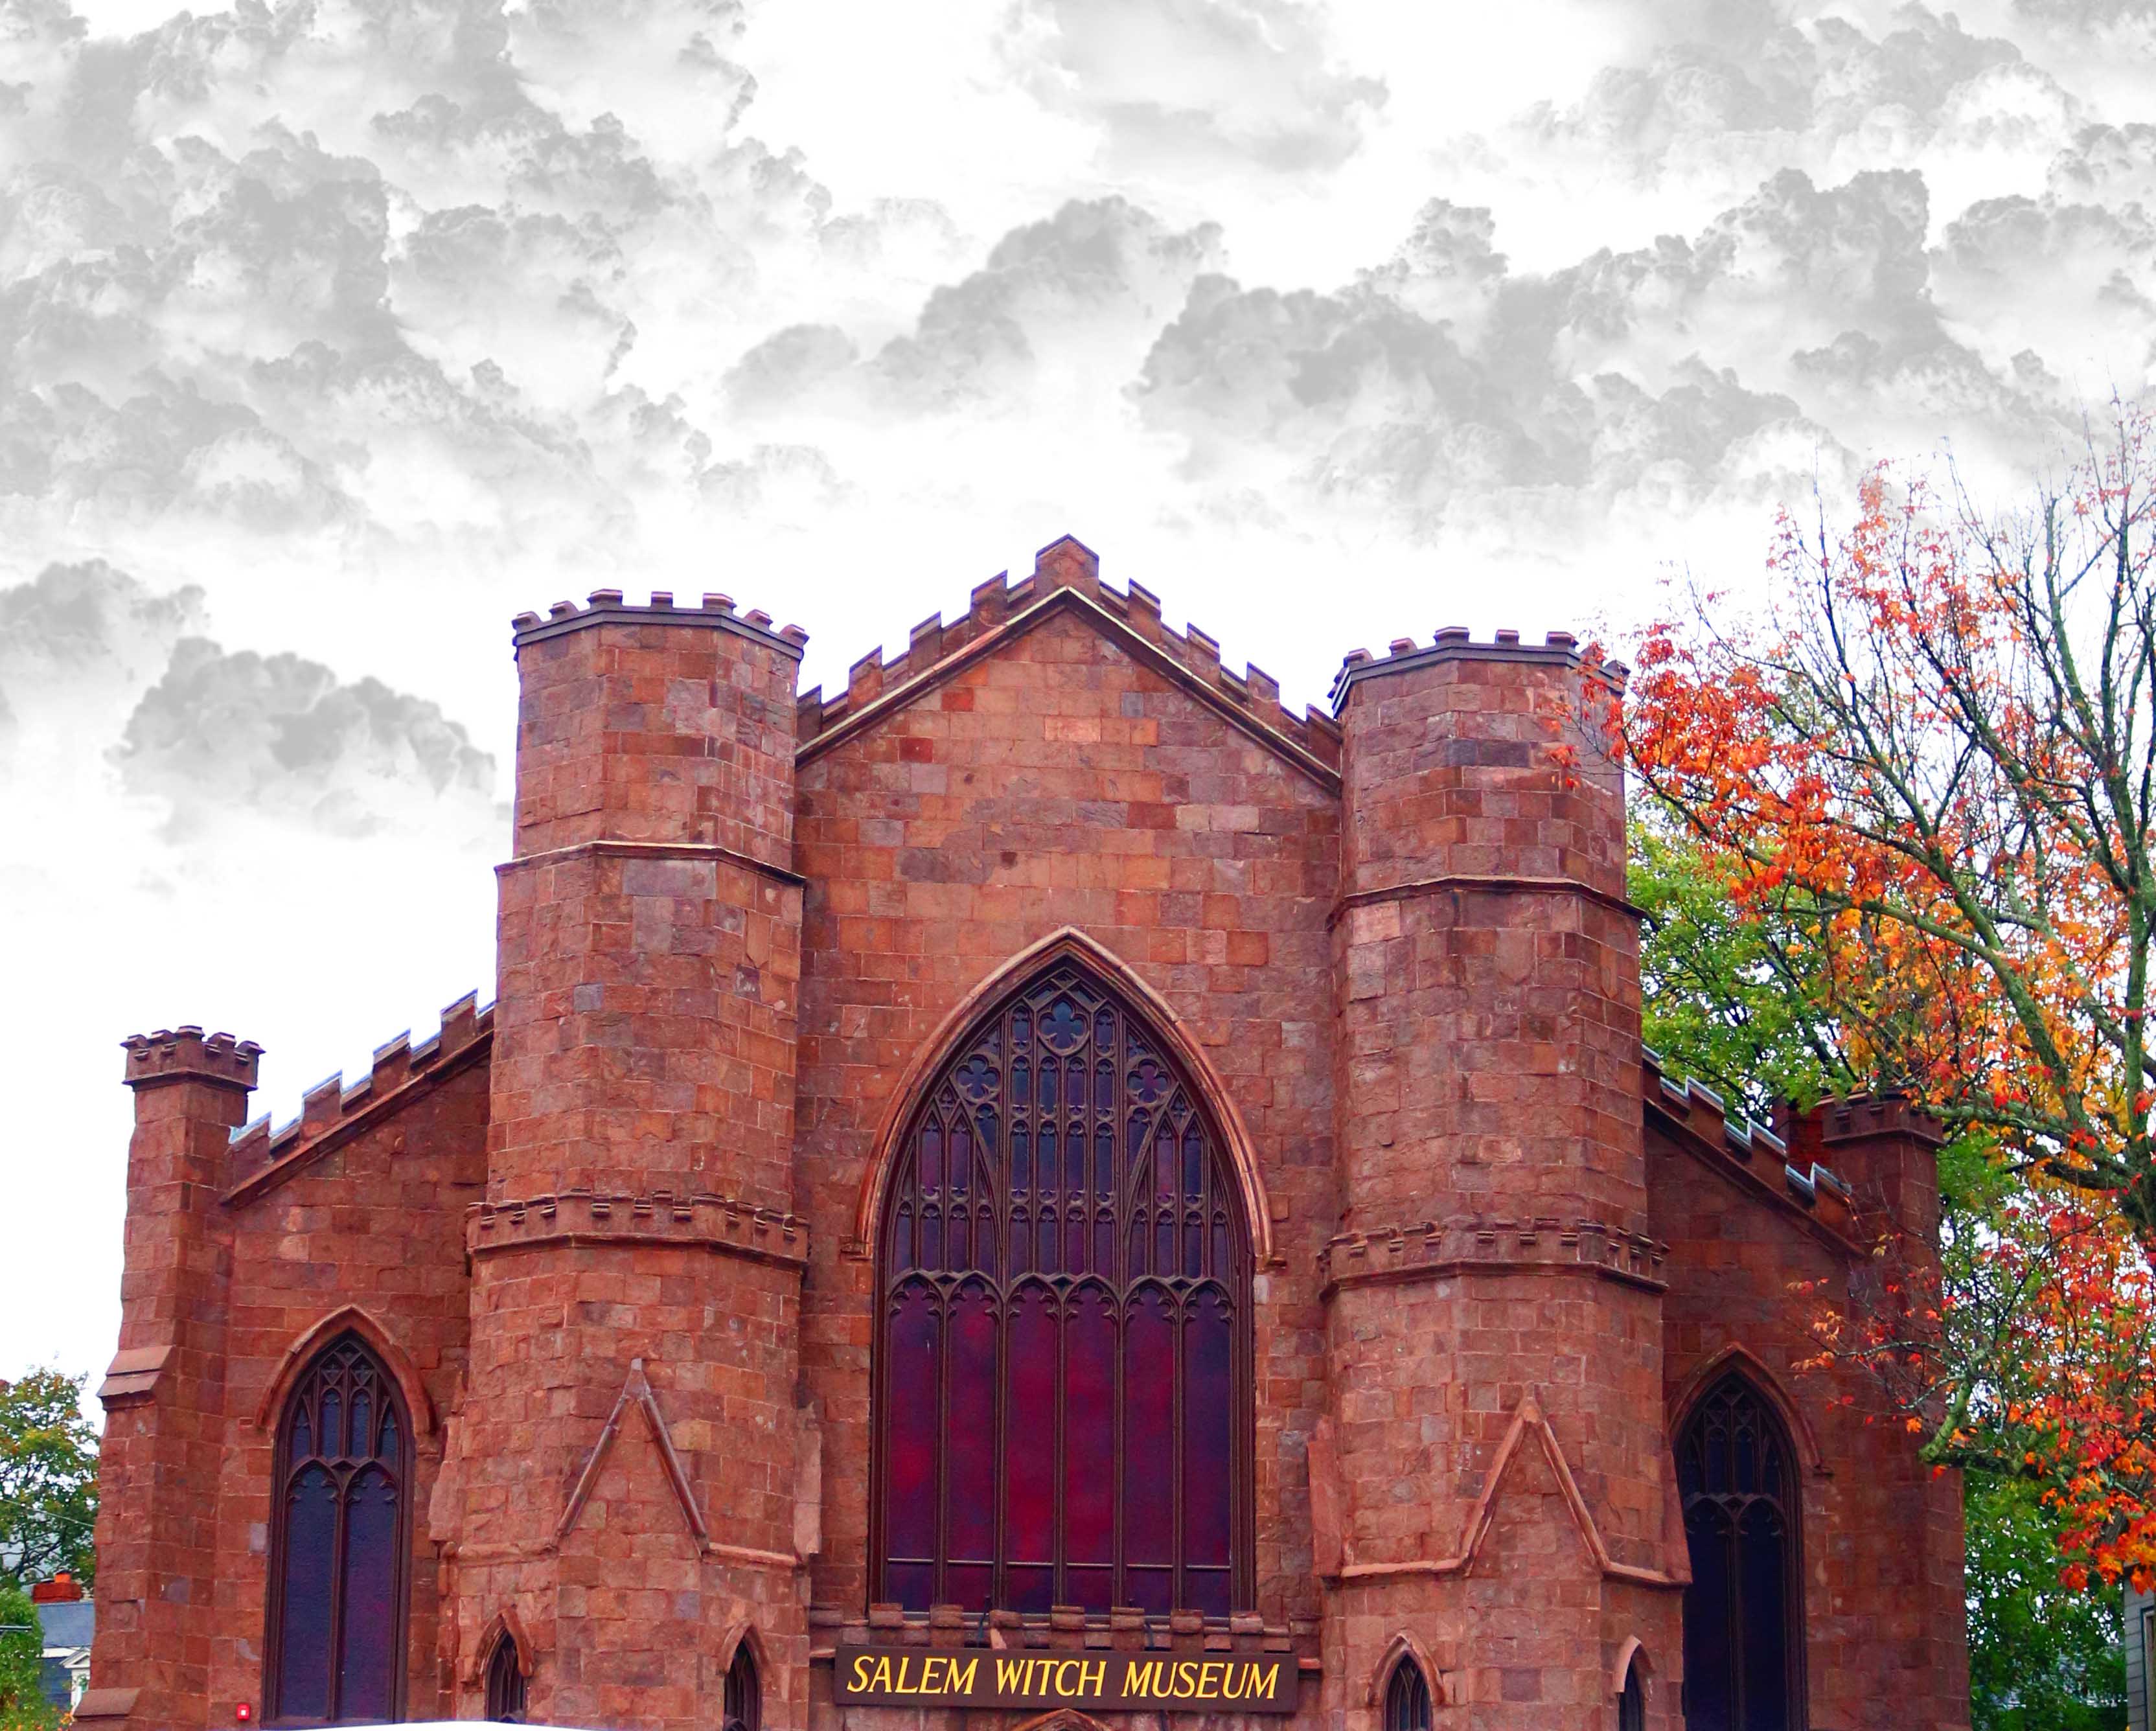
point(1251, 81)
point(86, 624)
point(221, 733)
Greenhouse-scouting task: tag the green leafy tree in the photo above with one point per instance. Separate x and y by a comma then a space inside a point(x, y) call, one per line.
point(22, 1704)
point(2041, 1658)
point(48, 1478)
point(1729, 999)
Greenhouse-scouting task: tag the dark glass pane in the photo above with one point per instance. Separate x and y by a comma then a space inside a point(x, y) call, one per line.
point(303, 1438)
point(932, 1236)
point(970, 1477)
point(1021, 1241)
point(332, 1409)
point(1029, 1476)
point(1074, 1237)
point(744, 1700)
point(1104, 1244)
point(1632, 1705)
point(1089, 1431)
point(1104, 1162)
point(912, 1380)
point(1407, 1698)
point(391, 1446)
point(984, 1239)
point(303, 1645)
point(1193, 1249)
point(1193, 1162)
point(1207, 1429)
point(1148, 1429)
point(504, 1684)
point(1045, 1145)
point(902, 1258)
point(957, 1252)
point(1021, 1160)
point(366, 1677)
point(1048, 1258)
point(1710, 1654)
point(1049, 1076)
point(362, 1425)
point(930, 1164)
point(1077, 1081)
point(1761, 1577)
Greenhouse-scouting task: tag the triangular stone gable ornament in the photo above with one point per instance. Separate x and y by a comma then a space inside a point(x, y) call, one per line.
point(635, 1391)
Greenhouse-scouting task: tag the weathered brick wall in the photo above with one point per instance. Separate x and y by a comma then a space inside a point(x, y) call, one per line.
point(1881, 1534)
point(617, 1233)
point(1493, 1191)
point(636, 1268)
point(1062, 782)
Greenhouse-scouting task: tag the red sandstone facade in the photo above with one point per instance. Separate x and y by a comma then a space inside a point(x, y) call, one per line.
point(615, 1237)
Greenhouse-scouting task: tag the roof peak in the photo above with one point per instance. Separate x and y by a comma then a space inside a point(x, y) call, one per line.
point(998, 608)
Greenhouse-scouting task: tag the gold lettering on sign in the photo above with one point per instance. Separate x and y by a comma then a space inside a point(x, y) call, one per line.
point(899, 1677)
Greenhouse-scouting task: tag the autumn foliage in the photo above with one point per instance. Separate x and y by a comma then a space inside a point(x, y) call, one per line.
point(1929, 766)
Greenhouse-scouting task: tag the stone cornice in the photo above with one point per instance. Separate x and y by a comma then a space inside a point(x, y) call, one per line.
point(1433, 1250)
point(695, 1221)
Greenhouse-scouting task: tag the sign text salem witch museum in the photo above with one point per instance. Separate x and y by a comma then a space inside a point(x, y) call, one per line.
point(973, 1677)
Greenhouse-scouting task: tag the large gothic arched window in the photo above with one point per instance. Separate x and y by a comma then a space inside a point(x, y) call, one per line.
point(1743, 1616)
point(339, 1544)
point(1063, 1391)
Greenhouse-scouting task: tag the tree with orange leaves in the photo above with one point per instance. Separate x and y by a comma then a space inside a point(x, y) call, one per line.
point(1928, 771)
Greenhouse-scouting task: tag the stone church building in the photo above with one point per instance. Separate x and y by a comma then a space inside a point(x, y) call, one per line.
point(1044, 1187)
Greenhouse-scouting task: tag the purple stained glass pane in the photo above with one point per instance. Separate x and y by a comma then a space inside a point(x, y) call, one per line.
point(930, 1162)
point(913, 1382)
point(333, 1411)
point(1030, 1477)
point(367, 1673)
point(969, 1522)
point(1208, 1427)
point(307, 1602)
point(1149, 1429)
point(1088, 1427)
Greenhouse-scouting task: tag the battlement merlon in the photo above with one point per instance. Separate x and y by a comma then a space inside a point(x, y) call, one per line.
point(187, 1054)
point(608, 607)
point(1455, 643)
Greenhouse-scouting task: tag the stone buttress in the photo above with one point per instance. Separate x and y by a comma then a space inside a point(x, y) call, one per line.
point(623, 1475)
point(1491, 1488)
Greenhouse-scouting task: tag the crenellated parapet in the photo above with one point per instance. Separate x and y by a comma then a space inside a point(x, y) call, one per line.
point(1742, 1147)
point(331, 1113)
point(609, 607)
point(1066, 571)
point(1456, 643)
point(172, 1055)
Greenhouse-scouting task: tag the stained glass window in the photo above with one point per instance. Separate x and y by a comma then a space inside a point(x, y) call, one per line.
point(1407, 1697)
point(338, 1553)
point(1743, 1622)
point(744, 1702)
point(504, 1683)
point(1063, 1368)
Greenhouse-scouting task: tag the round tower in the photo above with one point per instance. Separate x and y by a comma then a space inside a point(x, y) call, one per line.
point(1493, 1477)
point(622, 1487)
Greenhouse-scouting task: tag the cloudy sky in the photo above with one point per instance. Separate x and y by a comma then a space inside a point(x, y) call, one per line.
point(333, 332)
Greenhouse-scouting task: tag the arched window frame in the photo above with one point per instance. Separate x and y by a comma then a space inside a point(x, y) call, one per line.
point(1067, 965)
point(1737, 1390)
point(306, 1394)
point(505, 1676)
point(1632, 1698)
point(1408, 1703)
point(744, 1689)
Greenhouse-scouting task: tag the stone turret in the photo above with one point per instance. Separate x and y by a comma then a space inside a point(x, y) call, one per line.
point(1491, 1481)
point(164, 1393)
point(628, 1451)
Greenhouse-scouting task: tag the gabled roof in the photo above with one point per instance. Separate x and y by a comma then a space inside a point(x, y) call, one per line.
point(1066, 580)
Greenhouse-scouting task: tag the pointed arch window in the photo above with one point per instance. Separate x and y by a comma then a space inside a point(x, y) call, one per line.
point(505, 1683)
point(1632, 1702)
point(1407, 1697)
point(340, 1544)
point(1063, 1358)
point(744, 1702)
point(1744, 1612)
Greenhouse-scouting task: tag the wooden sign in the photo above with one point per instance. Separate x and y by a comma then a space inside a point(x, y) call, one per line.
point(1095, 1682)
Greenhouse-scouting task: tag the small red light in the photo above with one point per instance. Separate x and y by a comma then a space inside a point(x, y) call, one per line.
point(243, 1712)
